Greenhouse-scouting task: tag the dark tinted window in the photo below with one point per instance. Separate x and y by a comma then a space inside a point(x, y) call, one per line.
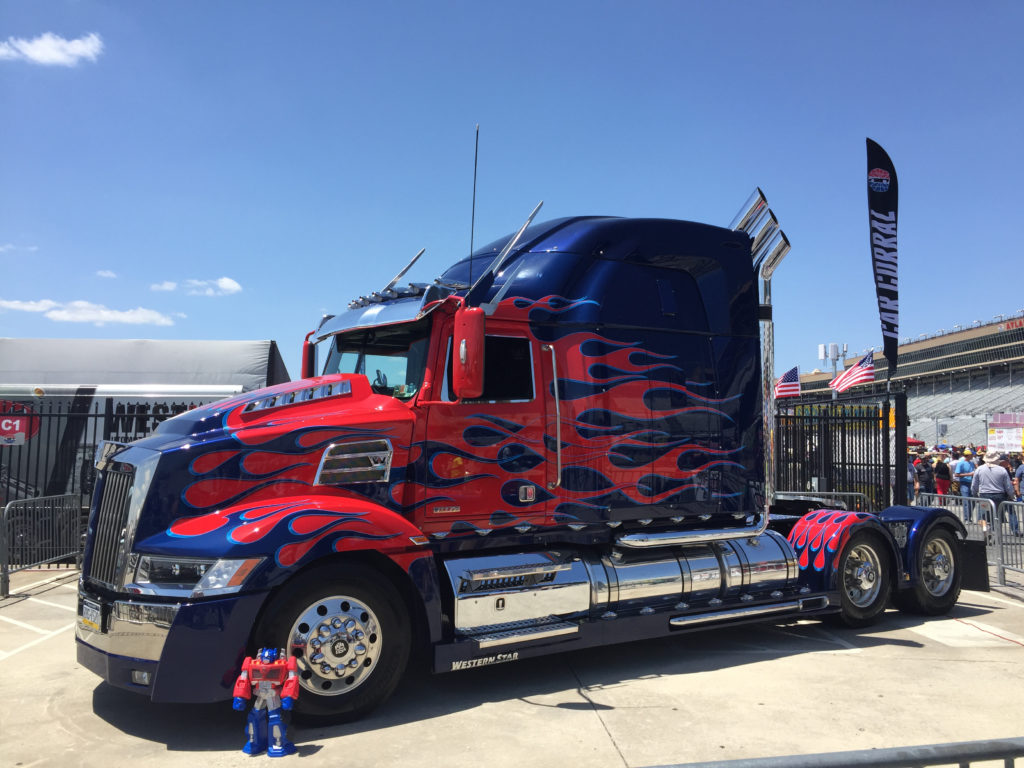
point(508, 370)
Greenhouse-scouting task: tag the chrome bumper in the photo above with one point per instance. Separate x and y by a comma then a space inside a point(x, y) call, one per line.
point(127, 628)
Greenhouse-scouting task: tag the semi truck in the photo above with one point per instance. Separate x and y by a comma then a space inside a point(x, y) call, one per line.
point(563, 441)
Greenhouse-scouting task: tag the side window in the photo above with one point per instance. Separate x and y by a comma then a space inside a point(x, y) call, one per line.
point(508, 370)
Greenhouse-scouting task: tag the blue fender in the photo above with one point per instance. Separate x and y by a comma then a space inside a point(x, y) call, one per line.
point(909, 527)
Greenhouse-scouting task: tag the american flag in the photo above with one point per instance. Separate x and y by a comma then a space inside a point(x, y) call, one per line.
point(789, 384)
point(862, 372)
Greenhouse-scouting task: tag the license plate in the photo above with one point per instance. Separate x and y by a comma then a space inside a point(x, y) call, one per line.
point(92, 615)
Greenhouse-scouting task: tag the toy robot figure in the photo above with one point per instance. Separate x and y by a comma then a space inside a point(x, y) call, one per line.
point(274, 681)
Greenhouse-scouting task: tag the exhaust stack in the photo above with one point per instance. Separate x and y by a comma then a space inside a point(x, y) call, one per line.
point(769, 246)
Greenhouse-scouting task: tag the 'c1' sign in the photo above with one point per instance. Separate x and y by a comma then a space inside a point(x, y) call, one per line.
point(18, 423)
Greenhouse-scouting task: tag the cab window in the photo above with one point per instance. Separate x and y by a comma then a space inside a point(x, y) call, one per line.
point(508, 371)
point(393, 358)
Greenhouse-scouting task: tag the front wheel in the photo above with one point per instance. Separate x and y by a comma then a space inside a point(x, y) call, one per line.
point(938, 576)
point(864, 580)
point(349, 633)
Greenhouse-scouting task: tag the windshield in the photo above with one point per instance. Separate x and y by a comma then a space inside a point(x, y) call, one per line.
point(393, 358)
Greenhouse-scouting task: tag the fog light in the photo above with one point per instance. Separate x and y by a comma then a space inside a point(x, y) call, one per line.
point(140, 677)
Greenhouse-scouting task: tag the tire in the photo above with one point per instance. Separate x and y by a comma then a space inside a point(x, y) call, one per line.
point(939, 576)
point(865, 580)
point(349, 632)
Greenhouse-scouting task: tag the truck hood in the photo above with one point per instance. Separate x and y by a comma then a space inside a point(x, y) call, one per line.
point(266, 445)
point(257, 416)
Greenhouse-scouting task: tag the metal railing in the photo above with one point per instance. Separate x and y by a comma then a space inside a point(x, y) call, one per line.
point(34, 532)
point(1000, 527)
point(961, 753)
point(855, 502)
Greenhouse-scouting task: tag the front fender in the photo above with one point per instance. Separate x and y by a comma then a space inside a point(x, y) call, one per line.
point(290, 532)
point(819, 537)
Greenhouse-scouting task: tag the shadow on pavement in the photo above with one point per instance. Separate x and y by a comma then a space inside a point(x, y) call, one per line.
point(422, 696)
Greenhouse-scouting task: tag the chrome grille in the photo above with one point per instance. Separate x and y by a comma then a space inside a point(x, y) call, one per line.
point(108, 543)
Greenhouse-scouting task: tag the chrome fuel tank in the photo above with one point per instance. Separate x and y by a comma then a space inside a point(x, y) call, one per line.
point(540, 587)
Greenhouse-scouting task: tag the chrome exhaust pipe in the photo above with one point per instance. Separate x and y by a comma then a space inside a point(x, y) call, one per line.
point(765, 232)
point(769, 246)
point(772, 255)
point(756, 205)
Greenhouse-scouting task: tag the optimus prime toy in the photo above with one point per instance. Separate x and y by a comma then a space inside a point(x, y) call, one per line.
point(273, 680)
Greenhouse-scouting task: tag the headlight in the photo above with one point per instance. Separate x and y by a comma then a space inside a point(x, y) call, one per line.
point(190, 577)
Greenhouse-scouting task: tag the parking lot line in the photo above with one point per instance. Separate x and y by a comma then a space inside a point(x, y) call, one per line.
point(53, 578)
point(23, 625)
point(4, 655)
point(52, 605)
point(990, 596)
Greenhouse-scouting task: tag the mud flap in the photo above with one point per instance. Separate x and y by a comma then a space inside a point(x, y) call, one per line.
point(975, 566)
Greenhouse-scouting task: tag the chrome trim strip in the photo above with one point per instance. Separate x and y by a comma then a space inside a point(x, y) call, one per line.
point(799, 606)
point(485, 578)
point(736, 613)
point(557, 482)
point(674, 538)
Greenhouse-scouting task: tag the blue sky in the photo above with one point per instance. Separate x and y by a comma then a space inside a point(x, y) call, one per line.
point(232, 170)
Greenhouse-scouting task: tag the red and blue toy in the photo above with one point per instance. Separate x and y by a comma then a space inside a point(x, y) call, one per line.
point(272, 678)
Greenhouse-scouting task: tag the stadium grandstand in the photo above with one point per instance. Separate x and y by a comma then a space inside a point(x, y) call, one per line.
point(955, 380)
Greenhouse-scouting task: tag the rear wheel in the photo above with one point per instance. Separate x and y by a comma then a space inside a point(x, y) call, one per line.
point(864, 580)
point(938, 576)
point(348, 631)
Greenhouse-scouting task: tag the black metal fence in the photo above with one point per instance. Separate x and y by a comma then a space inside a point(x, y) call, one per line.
point(848, 445)
point(47, 445)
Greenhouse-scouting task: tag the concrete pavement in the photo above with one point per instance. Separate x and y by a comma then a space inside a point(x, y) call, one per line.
point(771, 689)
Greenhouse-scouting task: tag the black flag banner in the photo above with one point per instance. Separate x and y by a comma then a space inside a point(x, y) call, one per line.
point(883, 206)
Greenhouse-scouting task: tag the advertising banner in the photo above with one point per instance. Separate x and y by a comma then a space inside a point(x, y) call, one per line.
point(883, 209)
point(1005, 439)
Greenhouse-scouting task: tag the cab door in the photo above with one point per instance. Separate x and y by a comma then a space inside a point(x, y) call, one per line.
point(484, 464)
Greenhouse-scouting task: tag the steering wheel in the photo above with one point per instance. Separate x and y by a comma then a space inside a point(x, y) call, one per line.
point(380, 383)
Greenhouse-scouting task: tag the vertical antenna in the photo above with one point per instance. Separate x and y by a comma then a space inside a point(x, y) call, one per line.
point(472, 220)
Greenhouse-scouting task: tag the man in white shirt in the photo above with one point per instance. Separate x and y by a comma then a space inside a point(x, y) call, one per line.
point(992, 481)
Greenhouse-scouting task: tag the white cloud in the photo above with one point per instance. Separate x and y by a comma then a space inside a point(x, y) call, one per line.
point(87, 312)
point(52, 50)
point(106, 273)
point(166, 285)
point(28, 306)
point(222, 286)
point(8, 247)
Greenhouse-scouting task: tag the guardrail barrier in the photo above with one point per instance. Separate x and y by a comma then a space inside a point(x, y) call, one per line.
point(34, 532)
point(1000, 527)
point(962, 753)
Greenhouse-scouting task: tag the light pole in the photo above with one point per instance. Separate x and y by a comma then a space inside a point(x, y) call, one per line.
point(828, 352)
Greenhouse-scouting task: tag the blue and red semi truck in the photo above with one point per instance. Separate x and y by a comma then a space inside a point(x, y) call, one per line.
point(560, 443)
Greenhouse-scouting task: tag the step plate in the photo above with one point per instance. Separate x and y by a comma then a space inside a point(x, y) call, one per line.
point(525, 634)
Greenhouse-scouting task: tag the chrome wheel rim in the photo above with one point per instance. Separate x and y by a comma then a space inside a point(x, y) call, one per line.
point(937, 567)
point(336, 643)
point(862, 575)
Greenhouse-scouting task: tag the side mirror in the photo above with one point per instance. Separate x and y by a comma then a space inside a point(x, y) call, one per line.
point(308, 358)
point(468, 353)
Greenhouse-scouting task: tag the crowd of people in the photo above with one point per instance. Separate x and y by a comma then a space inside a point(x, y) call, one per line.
point(969, 471)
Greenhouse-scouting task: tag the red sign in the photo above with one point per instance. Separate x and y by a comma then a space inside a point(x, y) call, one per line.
point(18, 423)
